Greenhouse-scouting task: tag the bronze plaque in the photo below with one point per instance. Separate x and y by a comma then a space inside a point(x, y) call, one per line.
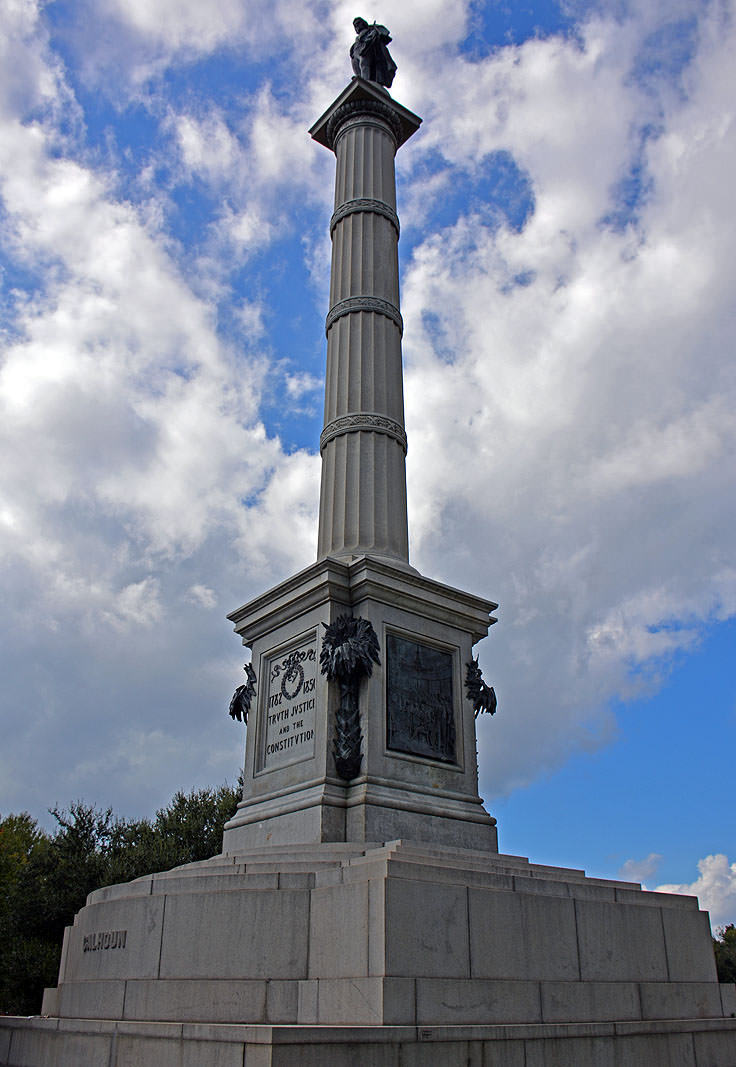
point(420, 718)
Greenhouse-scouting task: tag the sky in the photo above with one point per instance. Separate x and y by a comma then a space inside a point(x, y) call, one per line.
point(567, 271)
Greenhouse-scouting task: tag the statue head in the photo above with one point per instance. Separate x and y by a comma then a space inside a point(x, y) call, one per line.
point(360, 25)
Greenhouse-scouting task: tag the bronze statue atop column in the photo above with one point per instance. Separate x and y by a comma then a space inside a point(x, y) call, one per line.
point(369, 55)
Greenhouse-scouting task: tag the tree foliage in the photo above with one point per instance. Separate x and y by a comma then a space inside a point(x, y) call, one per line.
point(45, 878)
point(725, 950)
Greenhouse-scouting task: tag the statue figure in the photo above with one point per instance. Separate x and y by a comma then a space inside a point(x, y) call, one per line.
point(370, 56)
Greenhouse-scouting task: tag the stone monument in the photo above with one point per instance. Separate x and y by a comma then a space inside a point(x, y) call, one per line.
point(360, 912)
point(415, 760)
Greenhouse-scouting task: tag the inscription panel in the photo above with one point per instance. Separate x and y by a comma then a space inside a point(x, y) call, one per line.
point(115, 939)
point(420, 717)
point(104, 939)
point(289, 713)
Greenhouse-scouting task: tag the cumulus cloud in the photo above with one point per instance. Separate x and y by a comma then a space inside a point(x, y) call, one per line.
point(137, 604)
point(132, 439)
point(640, 870)
point(202, 595)
point(715, 888)
point(567, 375)
point(259, 163)
point(138, 42)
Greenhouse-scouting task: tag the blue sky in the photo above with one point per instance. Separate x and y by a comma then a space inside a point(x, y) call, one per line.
point(567, 260)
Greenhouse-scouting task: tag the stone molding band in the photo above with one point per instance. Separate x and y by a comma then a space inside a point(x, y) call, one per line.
point(369, 421)
point(363, 303)
point(358, 108)
point(364, 203)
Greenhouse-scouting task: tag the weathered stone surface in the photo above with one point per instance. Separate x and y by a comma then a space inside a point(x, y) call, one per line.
point(426, 930)
point(622, 943)
point(339, 945)
point(690, 956)
point(109, 1044)
point(569, 1052)
point(504, 1054)
point(134, 1050)
point(514, 935)
point(589, 1001)
point(728, 999)
point(370, 1001)
point(196, 1000)
point(714, 1050)
point(42, 1044)
point(92, 1000)
point(254, 934)
point(680, 1000)
point(465, 1001)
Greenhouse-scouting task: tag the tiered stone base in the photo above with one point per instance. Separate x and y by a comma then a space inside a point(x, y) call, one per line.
point(395, 954)
point(684, 1043)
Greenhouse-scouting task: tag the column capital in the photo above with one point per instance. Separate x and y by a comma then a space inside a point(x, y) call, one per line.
point(362, 97)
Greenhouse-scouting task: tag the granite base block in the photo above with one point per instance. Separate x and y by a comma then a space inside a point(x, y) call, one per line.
point(391, 954)
point(71, 1043)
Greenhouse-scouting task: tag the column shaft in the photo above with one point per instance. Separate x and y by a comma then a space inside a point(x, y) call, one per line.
point(363, 491)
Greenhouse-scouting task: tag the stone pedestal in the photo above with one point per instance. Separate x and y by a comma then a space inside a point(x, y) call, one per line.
point(385, 954)
point(419, 776)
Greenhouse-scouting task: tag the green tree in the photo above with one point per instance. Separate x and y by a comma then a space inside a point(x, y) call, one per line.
point(45, 878)
point(188, 830)
point(26, 958)
point(725, 949)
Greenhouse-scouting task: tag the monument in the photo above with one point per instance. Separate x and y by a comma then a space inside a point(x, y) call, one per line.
point(360, 912)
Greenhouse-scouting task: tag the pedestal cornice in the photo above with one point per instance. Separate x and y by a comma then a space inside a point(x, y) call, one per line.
point(346, 583)
point(326, 580)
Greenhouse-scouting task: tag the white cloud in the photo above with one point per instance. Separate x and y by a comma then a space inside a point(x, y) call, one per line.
point(183, 24)
point(208, 148)
point(131, 440)
point(137, 604)
point(250, 315)
point(640, 870)
point(302, 384)
point(139, 42)
point(118, 397)
point(581, 424)
point(261, 166)
point(715, 888)
point(202, 595)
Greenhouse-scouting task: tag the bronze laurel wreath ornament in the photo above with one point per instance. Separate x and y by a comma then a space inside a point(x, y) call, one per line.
point(482, 695)
point(349, 650)
point(243, 696)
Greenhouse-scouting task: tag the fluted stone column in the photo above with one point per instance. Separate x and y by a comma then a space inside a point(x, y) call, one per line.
point(363, 444)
